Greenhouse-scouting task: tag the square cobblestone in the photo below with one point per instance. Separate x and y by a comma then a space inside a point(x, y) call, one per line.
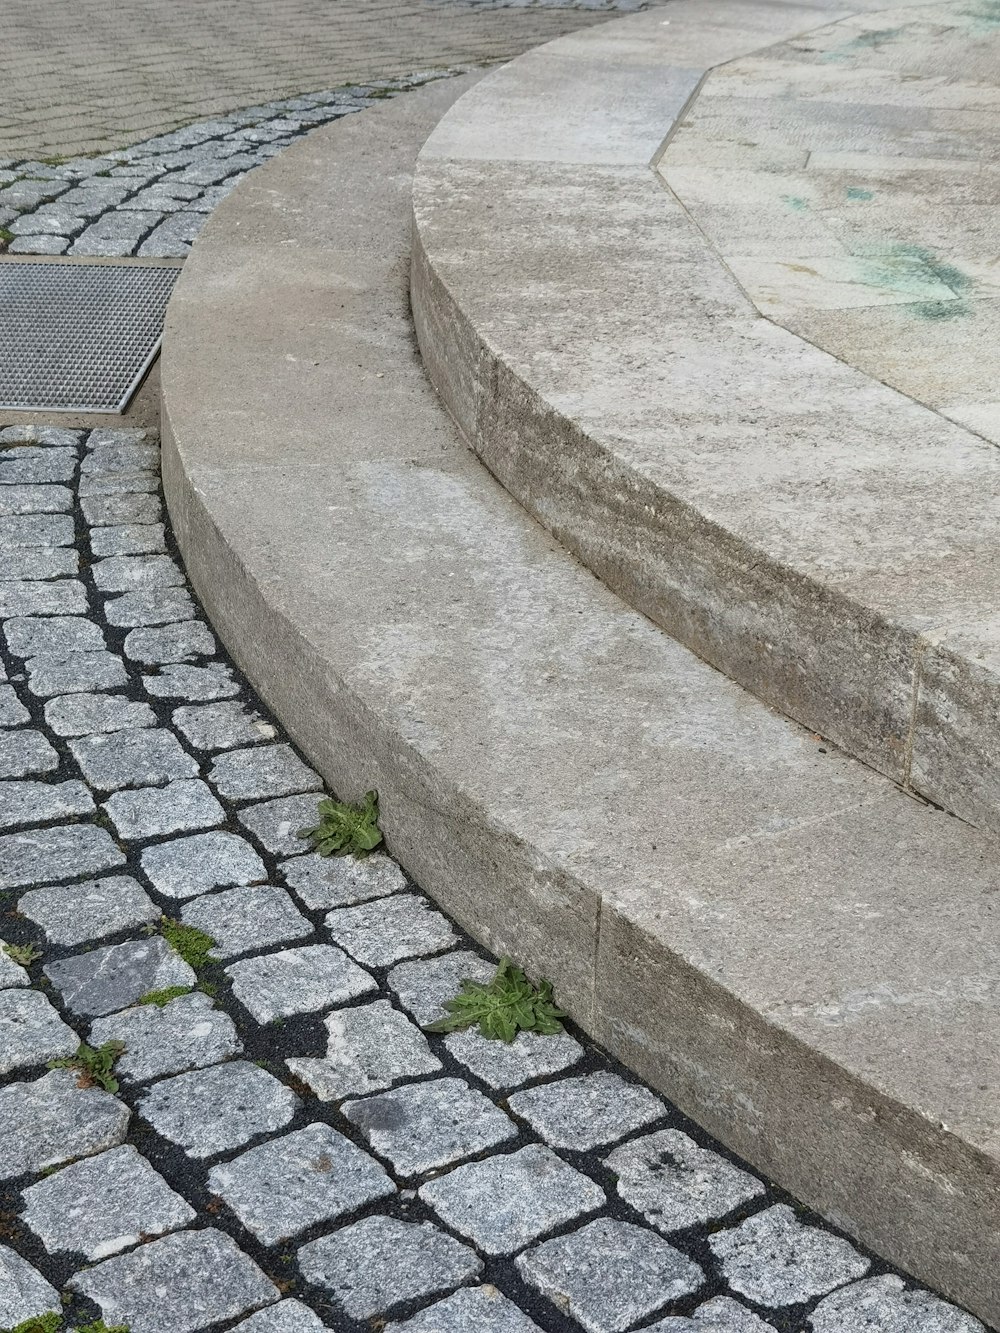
point(884, 1305)
point(721, 1316)
point(369, 1047)
point(383, 932)
point(115, 510)
point(587, 1112)
point(153, 812)
point(183, 642)
point(379, 1263)
point(608, 1275)
point(187, 1033)
point(20, 532)
point(121, 457)
point(42, 856)
point(30, 464)
point(773, 1259)
point(75, 673)
point(323, 882)
point(55, 437)
point(505, 1202)
point(276, 824)
point(25, 752)
point(12, 712)
point(221, 726)
point(32, 636)
point(128, 539)
point(210, 1111)
point(16, 500)
point(288, 1317)
point(11, 973)
point(208, 1277)
point(264, 770)
point(421, 1127)
point(506, 1065)
point(425, 984)
point(144, 758)
point(117, 975)
point(483, 1309)
point(116, 233)
point(136, 573)
point(197, 683)
point(24, 1293)
point(53, 1120)
point(78, 913)
point(82, 714)
point(118, 484)
point(185, 867)
point(62, 597)
point(31, 1031)
point(103, 1204)
point(244, 920)
point(159, 607)
point(292, 1183)
point(297, 981)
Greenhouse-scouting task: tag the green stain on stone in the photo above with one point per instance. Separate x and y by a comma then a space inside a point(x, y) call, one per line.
point(863, 42)
point(793, 201)
point(904, 268)
point(938, 310)
point(856, 192)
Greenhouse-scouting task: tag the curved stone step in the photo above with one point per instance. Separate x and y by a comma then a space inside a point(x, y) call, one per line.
point(748, 375)
point(800, 954)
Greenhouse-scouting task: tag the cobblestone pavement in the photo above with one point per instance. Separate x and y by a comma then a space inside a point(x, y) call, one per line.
point(86, 76)
point(286, 1136)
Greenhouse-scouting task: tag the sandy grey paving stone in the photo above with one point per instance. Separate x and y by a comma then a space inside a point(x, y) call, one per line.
point(182, 642)
point(24, 1293)
point(11, 973)
point(136, 573)
point(78, 913)
point(53, 1120)
point(103, 980)
point(132, 758)
point(676, 1184)
point(83, 714)
point(221, 726)
point(12, 712)
point(369, 1047)
point(123, 484)
point(264, 770)
point(185, 1282)
point(187, 1033)
point(297, 981)
point(884, 1305)
point(158, 607)
point(719, 1316)
point(214, 1110)
point(152, 812)
point(39, 562)
point(505, 1202)
point(61, 597)
point(192, 682)
point(31, 1031)
point(30, 530)
point(120, 456)
point(483, 1309)
point(185, 867)
point(323, 882)
point(425, 984)
point(276, 824)
point(128, 539)
point(31, 464)
point(25, 752)
point(288, 1317)
point(774, 1259)
point(380, 933)
point(32, 636)
point(504, 1065)
point(57, 437)
point(103, 1204)
point(292, 1183)
point(117, 435)
point(609, 1275)
point(75, 673)
point(116, 509)
point(34, 245)
point(379, 1263)
point(241, 920)
point(35, 500)
point(423, 1126)
point(41, 856)
point(582, 1113)
point(116, 233)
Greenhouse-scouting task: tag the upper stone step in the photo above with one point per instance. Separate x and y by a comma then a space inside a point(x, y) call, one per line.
point(713, 291)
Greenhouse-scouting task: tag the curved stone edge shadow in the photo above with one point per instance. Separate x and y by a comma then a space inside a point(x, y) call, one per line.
point(596, 353)
point(574, 787)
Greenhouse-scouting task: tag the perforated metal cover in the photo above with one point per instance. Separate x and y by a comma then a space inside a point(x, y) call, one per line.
point(78, 337)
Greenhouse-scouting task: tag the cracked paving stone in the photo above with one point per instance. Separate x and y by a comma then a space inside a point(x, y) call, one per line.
point(128, 539)
point(369, 1047)
point(123, 485)
point(424, 1126)
point(276, 824)
point(31, 1032)
point(113, 510)
point(323, 882)
point(185, 867)
point(297, 981)
point(265, 770)
point(586, 1112)
point(883, 1305)
point(63, 597)
point(158, 607)
point(24, 1293)
point(34, 465)
point(192, 682)
point(152, 812)
point(40, 562)
point(103, 980)
point(31, 636)
point(773, 1259)
point(675, 1184)
point(12, 712)
point(41, 856)
point(103, 1204)
point(112, 760)
point(483, 1309)
point(136, 573)
point(75, 673)
point(506, 1065)
point(241, 920)
point(723, 1316)
point(187, 1033)
point(221, 726)
point(25, 752)
point(181, 642)
point(209, 1111)
point(53, 1120)
point(505, 1202)
point(11, 973)
point(30, 530)
point(292, 1183)
point(424, 985)
point(379, 1263)
point(380, 933)
point(79, 913)
point(27, 499)
point(609, 1274)
point(188, 1282)
point(83, 714)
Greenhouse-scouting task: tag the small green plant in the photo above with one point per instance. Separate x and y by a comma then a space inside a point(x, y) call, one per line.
point(161, 998)
point(503, 1007)
point(192, 944)
point(53, 1323)
point(25, 954)
point(6, 236)
point(99, 1326)
point(94, 1064)
point(345, 830)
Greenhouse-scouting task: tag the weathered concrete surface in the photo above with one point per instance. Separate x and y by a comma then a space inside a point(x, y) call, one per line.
point(715, 895)
point(752, 391)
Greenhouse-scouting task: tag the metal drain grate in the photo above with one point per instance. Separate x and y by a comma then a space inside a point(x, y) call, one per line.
point(78, 337)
